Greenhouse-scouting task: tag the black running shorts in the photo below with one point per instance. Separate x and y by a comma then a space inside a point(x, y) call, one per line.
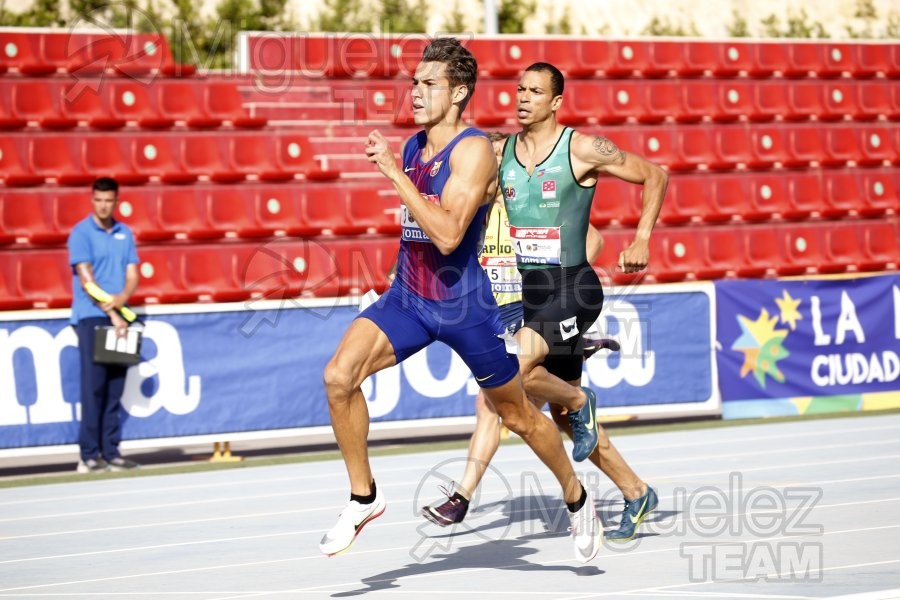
point(560, 304)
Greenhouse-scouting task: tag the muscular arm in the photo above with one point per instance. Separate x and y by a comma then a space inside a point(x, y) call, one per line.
point(593, 155)
point(473, 172)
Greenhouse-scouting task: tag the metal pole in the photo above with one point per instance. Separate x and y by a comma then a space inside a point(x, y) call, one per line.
point(490, 17)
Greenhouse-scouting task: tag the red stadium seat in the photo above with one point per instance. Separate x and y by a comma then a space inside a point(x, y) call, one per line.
point(210, 272)
point(879, 58)
point(222, 102)
point(804, 250)
point(666, 56)
point(495, 103)
point(733, 58)
point(23, 52)
point(281, 209)
point(616, 200)
point(678, 254)
point(160, 156)
point(767, 59)
point(688, 197)
point(295, 154)
point(132, 101)
point(723, 253)
point(31, 217)
point(70, 208)
point(842, 194)
point(325, 208)
point(629, 56)
point(769, 146)
point(753, 197)
point(818, 58)
point(805, 196)
point(711, 147)
point(662, 100)
point(359, 266)
point(315, 269)
point(878, 191)
point(185, 212)
point(844, 248)
point(138, 208)
point(231, 209)
point(505, 56)
point(160, 277)
point(373, 211)
point(9, 118)
point(44, 278)
point(733, 146)
point(183, 102)
point(59, 158)
point(14, 166)
point(208, 155)
point(9, 295)
point(84, 102)
point(40, 102)
point(875, 99)
point(805, 146)
point(254, 155)
point(699, 58)
point(762, 251)
point(880, 246)
point(105, 156)
point(582, 58)
point(875, 145)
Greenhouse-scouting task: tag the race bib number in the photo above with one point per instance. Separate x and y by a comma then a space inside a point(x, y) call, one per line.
point(502, 272)
point(537, 245)
point(411, 231)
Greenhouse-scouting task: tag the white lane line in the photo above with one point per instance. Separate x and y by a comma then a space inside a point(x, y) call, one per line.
point(393, 485)
point(391, 524)
point(320, 491)
point(484, 497)
point(454, 573)
point(458, 572)
point(284, 479)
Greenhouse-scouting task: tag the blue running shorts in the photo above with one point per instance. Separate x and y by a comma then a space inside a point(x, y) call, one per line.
point(469, 325)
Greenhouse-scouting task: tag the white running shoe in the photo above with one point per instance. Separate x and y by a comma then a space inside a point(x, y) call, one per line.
point(585, 531)
point(353, 518)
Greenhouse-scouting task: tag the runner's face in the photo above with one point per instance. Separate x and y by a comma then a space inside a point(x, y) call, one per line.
point(535, 102)
point(432, 96)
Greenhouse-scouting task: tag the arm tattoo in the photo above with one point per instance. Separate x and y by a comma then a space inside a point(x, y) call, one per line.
point(606, 148)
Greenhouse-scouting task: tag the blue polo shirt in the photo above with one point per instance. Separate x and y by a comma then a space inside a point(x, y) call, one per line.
point(109, 254)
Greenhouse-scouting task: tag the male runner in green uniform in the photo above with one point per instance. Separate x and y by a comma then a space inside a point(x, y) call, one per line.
point(548, 174)
point(499, 262)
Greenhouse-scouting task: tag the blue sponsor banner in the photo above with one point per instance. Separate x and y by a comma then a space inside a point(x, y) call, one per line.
point(224, 370)
point(808, 338)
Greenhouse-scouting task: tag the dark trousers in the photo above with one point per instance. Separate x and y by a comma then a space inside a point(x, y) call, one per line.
point(101, 393)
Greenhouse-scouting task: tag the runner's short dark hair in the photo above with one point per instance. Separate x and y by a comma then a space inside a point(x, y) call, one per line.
point(557, 81)
point(462, 68)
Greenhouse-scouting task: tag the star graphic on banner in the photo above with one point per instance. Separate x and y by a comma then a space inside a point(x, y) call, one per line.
point(788, 307)
point(761, 344)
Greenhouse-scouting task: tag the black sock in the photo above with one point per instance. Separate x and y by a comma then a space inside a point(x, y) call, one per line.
point(364, 499)
point(574, 507)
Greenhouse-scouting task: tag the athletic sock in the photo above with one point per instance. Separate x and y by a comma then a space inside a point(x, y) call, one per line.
point(574, 507)
point(369, 499)
point(460, 497)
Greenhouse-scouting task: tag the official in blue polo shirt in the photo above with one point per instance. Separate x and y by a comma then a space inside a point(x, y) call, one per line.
point(102, 255)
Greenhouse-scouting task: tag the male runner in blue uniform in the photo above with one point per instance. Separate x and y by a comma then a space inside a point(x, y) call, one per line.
point(446, 182)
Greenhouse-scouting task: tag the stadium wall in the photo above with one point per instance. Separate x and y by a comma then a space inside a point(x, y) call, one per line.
point(225, 372)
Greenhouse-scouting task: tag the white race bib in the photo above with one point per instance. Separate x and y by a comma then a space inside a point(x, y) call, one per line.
point(502, 272)
point(410, 229)
point(537, 245)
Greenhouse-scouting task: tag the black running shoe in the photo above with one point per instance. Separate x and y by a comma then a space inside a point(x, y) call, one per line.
point(452, 510)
